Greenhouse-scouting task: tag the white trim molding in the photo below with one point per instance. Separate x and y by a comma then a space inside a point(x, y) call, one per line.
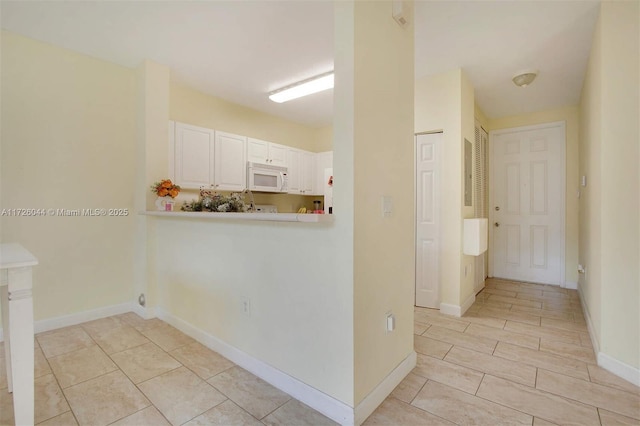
point(456, 310)
point(619, 368)
point(336, 410)
point(146, 313)
point(571, 285)
point(609, 363)
point(80, 317)
point(590, 327)
point(369, 404)
point(84, 316)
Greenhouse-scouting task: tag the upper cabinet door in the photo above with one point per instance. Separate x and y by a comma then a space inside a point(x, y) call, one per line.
point(307, 172)
point(257, 151)
point(193, 156)
point(293, 170)
point(266, 152)
point(277, 155)
point(230, 166)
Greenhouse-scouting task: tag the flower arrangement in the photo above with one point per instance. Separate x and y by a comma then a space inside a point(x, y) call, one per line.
point(165, 188)
point(209, 201)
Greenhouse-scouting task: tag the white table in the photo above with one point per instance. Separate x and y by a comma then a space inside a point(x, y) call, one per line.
point(17, 326)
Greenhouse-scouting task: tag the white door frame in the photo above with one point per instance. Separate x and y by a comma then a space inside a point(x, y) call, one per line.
point(563, 190)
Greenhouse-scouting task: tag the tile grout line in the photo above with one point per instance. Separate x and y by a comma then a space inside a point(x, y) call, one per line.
point(64, 395)
point(417, 393)
point(500, 404)
point(420, 408)
point(589, 381)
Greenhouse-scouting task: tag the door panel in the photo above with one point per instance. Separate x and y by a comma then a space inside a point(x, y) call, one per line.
point(194, 154)
point(230, 162)
point(428, 220)
point(527, 207)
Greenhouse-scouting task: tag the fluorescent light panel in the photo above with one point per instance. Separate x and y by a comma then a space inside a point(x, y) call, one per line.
point(304, 88)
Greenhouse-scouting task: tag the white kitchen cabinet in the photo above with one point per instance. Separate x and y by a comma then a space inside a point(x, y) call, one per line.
point(324, 160)
point(230, 164)
point(259, 151)
point(193, 155)
point(307, 172)
point(204, 157)
point(293, 170)
point(301, 167)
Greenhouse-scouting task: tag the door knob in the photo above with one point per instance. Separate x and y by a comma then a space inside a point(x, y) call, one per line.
point(496, 224)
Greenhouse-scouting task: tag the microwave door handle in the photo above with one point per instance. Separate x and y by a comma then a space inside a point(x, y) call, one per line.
point(282, 182)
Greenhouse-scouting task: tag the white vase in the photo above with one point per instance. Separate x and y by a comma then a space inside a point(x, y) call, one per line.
point(164, 204)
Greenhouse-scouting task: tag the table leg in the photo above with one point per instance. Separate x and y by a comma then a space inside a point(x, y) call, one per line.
point(4, 306)
point(21, 332)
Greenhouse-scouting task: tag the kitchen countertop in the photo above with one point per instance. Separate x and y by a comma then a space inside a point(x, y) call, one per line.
point(267, 217)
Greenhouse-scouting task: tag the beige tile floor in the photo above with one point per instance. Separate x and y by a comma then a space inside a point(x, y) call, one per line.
point(124, 370)
point(520, 355)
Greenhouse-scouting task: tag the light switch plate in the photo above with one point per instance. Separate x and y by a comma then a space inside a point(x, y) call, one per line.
point(387, 206)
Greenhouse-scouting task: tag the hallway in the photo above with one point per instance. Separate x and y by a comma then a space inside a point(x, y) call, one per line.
point(520, 355)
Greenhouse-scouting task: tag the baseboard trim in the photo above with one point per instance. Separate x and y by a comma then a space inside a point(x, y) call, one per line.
point(467, 303)
point(384, 388)
point(80, 317)
point(587, 316)
point(448, 309)
point(619, 368)
point(336, 410)
point(609, 363)
point(571, 285)
point(84, 316)
point(146, 313)
point(456, 310)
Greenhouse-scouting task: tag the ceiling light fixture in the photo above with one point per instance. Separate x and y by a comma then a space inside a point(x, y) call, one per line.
point(303, 88)
point(525, 78)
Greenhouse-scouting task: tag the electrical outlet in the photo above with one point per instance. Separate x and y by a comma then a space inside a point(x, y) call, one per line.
point(246, 306)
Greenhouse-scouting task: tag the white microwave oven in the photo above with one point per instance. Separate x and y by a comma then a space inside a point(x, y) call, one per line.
point(266, 178)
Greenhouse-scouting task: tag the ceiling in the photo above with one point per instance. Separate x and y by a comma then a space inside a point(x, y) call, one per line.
point(242, 50)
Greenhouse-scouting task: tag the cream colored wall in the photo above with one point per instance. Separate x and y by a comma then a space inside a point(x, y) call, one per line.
point(384, 248)
point(467, 269)
point(193, 107)
point(620, 209)
point(151, 166)
point(570, 116)
point(324, 139)
point(481, 117)
point(68, 138)
point(590, 196)
point(438, 106)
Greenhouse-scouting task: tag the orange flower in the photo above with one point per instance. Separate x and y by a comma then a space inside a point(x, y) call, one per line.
point(165, 188)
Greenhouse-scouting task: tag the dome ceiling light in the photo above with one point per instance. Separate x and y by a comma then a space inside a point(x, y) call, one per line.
point(525, 78)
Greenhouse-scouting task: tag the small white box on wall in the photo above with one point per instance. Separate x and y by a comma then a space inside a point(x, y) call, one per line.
point(475, 236)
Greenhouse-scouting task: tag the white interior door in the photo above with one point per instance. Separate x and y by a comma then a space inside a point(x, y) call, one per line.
point(527, 203)
point(428, 152)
